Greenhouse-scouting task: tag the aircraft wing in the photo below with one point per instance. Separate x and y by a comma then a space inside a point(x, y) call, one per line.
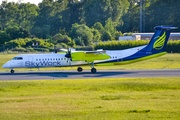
point(95, 52)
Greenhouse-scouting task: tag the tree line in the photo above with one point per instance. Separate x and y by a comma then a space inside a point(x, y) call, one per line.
point(172, 46)
point(63, 23)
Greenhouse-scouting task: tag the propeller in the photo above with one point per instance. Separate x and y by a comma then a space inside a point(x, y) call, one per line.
point(68, 55)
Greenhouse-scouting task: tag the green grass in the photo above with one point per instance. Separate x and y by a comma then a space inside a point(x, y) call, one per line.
point(92, 99)
point(168, 61)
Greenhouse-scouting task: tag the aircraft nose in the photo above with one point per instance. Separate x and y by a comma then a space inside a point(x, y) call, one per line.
point(6, 65)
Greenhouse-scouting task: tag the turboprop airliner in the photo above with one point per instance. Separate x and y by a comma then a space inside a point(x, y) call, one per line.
point(155, 48)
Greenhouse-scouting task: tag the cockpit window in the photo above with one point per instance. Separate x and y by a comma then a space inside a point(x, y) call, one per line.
point(17, 58)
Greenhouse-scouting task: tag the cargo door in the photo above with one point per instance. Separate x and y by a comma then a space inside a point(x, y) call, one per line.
point(119, 57)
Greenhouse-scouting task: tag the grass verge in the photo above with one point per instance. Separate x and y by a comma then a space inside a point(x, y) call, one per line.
point(102, 99)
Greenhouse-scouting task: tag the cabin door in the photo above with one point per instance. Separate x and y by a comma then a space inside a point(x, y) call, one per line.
point(30, 58)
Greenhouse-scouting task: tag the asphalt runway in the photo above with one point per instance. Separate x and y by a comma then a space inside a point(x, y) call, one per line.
point(86, 74)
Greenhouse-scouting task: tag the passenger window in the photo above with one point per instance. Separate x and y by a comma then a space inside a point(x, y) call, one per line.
point(61, 58)
point(39, 59)
point(36, 59)
point(64, 58)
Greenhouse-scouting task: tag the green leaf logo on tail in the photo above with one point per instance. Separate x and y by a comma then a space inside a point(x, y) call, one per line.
point(159, 44)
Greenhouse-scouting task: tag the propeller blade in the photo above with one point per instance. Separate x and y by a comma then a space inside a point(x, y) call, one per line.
point(68, 54)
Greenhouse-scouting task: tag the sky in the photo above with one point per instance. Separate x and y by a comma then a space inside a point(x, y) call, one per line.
point(24, 1)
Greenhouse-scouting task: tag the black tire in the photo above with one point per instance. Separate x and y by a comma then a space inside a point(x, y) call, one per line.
point(79, 69)
point(93, 70)
point(12, 71)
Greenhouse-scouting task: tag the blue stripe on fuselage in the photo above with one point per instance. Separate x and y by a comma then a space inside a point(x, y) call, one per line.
point(137, 55)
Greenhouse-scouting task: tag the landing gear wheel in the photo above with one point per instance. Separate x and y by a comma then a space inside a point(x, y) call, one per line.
point(79, 69)
point(12, 71)
point(93, 70)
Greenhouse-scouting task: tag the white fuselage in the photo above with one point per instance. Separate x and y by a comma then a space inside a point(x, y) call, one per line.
point(59, 60)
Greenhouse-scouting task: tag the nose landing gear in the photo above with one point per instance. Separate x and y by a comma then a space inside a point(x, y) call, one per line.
point(12, 71)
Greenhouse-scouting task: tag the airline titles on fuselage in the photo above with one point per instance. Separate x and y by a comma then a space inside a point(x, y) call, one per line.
point(42, 63)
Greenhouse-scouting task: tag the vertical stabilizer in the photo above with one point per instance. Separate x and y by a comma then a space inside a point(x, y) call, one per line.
point(159, 40)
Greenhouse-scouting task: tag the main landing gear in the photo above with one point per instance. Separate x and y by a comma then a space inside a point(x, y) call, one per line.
point(93, 70)
point(12, 71)
point(79, 69)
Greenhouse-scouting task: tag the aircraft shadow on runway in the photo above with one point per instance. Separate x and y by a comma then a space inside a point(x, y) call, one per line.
point(63, 75)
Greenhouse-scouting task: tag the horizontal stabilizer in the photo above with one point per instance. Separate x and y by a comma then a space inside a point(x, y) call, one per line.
point(165, 27)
